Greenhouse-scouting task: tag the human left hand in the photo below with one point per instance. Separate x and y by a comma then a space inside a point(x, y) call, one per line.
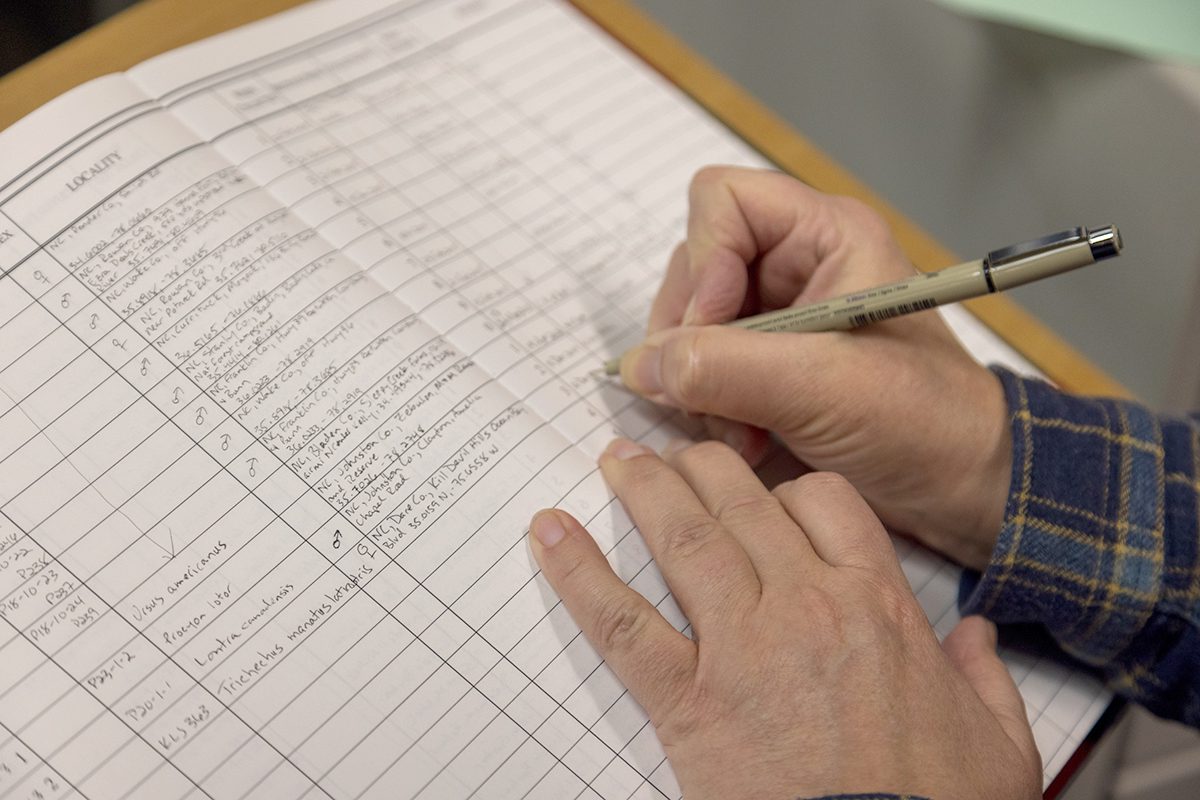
point(812, 670)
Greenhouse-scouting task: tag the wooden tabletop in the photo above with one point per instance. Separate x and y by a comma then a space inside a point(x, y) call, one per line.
point(155, 26)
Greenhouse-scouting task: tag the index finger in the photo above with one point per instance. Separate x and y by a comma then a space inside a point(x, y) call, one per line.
point(649, 656)
point(760, 240)
point(739, 217)
point(674, 294)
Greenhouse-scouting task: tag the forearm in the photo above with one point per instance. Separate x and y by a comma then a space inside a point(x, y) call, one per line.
point(1099, 541)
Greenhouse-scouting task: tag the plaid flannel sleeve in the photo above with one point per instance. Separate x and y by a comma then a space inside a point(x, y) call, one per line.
point(1100, 540)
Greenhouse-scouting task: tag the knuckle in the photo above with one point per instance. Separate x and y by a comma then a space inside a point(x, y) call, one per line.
point(825, 482)
point(816, 484)
point(867, 226)
point(686, 368)
point(704, 451)
point(854, 549)
point(866, 220)
point(686, 535)
point(819, 602)
point(827, 625)
point(895, 605)
point(747, 506)
point(619, 624)
point(572, 572)
point(707, 176)
point(781, 491)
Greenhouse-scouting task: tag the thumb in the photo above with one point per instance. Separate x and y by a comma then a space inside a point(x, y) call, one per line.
point(971, 648)
point(763, 379)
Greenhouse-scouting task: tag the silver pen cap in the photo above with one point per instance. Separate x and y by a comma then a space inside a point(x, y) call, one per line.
point(1105, 242)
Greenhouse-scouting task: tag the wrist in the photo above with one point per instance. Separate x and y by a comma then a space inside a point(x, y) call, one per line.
point(991, 473)
point(977, 476)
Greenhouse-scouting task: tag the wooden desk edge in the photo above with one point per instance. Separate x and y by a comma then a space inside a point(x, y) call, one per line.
point(155, 26)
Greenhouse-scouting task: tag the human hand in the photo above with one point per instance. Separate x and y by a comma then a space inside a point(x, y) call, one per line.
point(898, 408)
point(813, 669)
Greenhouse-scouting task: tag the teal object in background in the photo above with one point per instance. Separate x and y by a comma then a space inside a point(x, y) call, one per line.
point(1166, 30)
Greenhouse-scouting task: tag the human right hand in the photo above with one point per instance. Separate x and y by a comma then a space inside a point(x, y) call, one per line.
point(898, 408)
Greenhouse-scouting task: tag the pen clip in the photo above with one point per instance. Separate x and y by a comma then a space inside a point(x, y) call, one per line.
point(1054, 241)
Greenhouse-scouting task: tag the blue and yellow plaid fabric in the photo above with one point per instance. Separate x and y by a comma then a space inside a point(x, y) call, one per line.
point(1100, 542)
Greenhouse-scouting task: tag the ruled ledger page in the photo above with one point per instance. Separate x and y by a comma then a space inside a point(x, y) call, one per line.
point(297, 329)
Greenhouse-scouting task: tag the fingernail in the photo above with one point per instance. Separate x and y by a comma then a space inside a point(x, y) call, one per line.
point(689, 313)
point(645, 370)
point(675, 445)
point(622, 449)
point(736, 437)
point(546, 527)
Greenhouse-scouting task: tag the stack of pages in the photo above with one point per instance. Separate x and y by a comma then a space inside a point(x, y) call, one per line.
point(298, 326)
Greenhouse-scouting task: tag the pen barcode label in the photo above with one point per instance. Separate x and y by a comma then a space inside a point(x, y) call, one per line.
point(858, 320)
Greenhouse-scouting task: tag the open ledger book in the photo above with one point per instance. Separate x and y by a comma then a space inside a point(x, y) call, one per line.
point(297, 328)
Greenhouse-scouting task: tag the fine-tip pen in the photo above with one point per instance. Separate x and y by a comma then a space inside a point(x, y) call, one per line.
point(998, 270)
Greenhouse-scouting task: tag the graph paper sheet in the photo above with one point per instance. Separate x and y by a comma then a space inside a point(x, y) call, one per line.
point(297, 328)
